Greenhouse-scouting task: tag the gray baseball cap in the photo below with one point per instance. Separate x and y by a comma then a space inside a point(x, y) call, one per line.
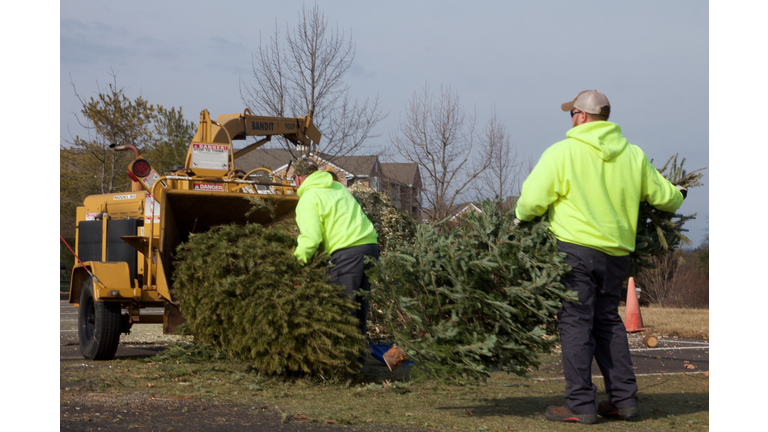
point(589, 101)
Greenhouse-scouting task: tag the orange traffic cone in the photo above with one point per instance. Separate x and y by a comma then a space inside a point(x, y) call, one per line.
point(633, 321)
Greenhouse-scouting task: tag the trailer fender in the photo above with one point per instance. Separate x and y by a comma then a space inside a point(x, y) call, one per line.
point(114, 281)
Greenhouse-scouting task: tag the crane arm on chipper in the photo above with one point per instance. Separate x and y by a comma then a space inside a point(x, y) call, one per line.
point(213, 138)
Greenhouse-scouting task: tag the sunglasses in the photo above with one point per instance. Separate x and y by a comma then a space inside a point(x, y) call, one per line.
point(574, 112)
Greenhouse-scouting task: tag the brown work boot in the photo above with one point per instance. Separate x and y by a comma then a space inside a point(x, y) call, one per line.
point(563, 414)
point(609, 410)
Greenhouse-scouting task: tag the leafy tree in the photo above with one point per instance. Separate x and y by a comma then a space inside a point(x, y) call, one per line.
point(88, 166)
point(172, 137)
point(303, 71)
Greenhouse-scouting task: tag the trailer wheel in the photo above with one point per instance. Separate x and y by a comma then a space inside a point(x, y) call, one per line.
point(98, 325)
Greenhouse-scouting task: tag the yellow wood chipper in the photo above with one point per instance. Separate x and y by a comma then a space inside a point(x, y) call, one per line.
point(125, 242)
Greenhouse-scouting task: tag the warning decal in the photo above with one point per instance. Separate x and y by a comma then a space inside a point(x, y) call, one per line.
point(148, 209)
point(213, 187)
point(91, 216)
point(210, 156)
point(150, 179)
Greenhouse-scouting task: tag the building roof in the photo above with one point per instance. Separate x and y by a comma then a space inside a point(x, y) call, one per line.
point(458, 209)
point(268, 158)
point(404, 173)
point(273, 159)
point(360, 166)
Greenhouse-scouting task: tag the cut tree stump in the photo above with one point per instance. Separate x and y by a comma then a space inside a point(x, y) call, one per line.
point(650, 341)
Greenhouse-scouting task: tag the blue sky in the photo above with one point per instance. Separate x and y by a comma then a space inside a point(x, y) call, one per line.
point(522, 58)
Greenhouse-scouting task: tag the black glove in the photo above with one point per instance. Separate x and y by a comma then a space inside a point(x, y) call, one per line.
point(683, 190)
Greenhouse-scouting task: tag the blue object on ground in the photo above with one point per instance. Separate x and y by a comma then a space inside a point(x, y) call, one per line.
point(378, 350)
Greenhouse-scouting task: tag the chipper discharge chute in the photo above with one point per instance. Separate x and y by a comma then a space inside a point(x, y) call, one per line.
point(125, 242)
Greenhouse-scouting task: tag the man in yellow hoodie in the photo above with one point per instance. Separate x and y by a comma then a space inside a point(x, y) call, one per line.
point(329, 216)
point(592, 184)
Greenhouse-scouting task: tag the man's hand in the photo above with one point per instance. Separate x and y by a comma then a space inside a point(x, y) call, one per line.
point(683, 190)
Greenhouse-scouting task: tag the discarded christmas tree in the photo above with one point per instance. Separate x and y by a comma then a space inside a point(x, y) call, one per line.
point(484, 294)
point(659, 232)
point(392, 225)
point(241, 290)
point(479, 297)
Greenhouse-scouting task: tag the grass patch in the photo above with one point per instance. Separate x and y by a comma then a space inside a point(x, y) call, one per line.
point(504, 402)
point(689, 323)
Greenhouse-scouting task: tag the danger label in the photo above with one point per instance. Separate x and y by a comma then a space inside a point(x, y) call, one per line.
point(91, 216)
point(212, 187)
point(210, 156)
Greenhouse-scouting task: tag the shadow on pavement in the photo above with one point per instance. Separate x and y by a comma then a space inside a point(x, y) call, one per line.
point(654, 406)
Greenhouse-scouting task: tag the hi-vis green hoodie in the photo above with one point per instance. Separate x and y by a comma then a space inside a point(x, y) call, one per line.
point(594, 182)
point(328, 214)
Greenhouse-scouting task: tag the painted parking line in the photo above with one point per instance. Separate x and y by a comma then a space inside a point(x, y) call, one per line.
point(637, 375)
point(668, 349)
point(658, 349)
point(689, 342)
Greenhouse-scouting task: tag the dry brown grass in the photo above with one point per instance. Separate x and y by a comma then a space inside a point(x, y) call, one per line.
point(692, 323)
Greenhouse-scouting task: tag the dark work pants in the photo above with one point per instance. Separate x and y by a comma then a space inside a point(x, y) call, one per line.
point(594, 329)
point(347, 268)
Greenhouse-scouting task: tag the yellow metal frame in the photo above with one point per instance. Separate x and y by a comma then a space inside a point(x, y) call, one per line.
point(112, 280)
point(113, 283)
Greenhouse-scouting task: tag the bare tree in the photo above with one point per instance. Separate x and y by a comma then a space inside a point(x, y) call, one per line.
point(436, 134)
point(659, 283)
point(504, 174)
point(305, 71)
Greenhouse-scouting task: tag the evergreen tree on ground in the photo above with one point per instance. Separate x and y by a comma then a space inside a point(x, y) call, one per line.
point(242, 291)
point(479, 297)
point(466, 298)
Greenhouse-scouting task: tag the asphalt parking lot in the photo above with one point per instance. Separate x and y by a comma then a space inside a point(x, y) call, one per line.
point(144, 340)
point(671, 355)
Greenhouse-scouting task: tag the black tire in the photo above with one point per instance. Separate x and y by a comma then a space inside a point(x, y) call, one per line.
point(98, 325)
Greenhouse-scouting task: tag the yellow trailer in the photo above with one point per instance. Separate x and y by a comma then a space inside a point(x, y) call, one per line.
point(125, 242)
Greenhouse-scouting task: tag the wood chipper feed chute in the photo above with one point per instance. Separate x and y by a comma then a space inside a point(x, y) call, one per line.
point(187, 212)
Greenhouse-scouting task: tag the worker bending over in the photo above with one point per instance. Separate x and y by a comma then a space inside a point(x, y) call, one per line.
point(329, 216)
point(593, 183)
